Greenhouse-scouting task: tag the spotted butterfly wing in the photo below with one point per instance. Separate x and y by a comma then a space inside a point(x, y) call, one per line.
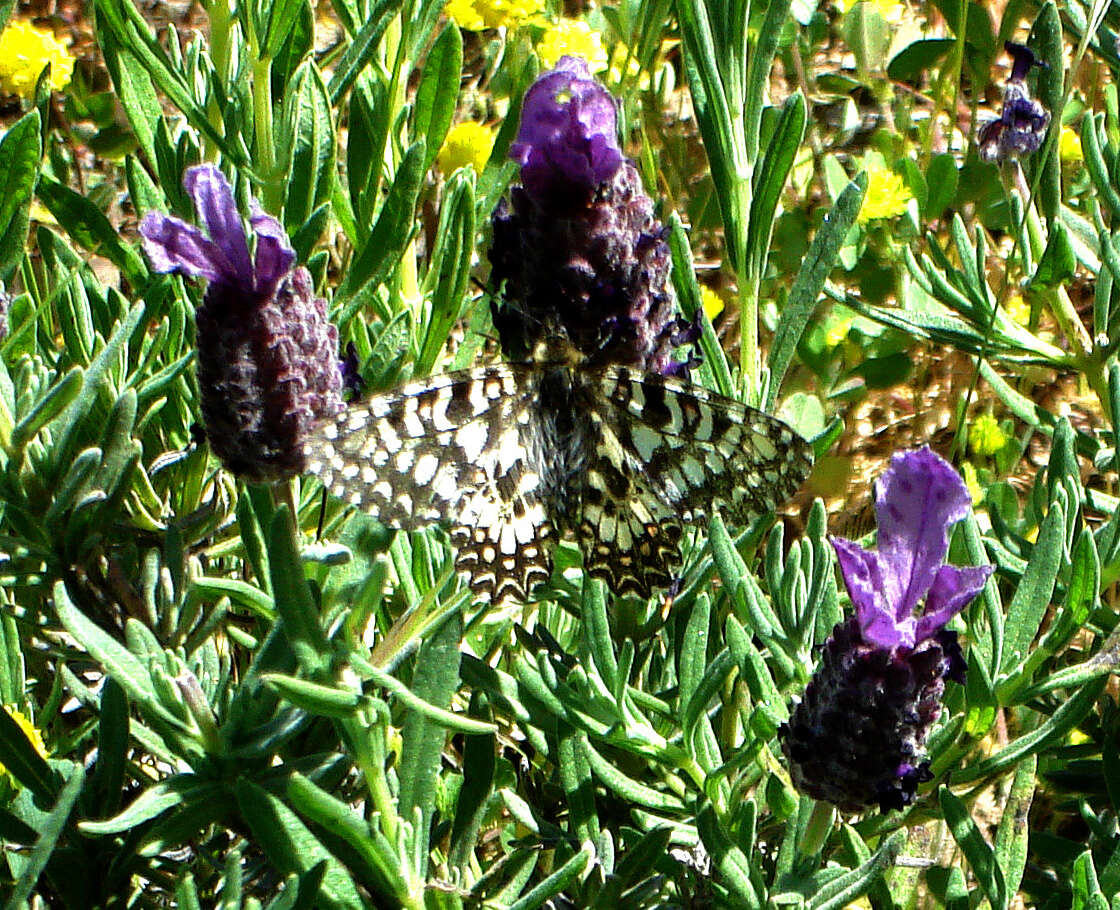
point(513, 455)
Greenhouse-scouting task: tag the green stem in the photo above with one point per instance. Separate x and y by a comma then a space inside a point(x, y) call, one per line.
point(271, 190)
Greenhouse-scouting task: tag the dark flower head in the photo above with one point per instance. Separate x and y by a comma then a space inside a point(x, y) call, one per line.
point(577, 252)
point(857, 738)
point(1022, 123)
point(267, 364)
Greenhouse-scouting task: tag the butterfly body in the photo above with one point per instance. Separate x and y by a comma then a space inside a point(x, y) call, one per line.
point(515, 455)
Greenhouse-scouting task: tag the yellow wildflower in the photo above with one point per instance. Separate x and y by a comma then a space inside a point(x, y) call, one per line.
point(1019, 310)
point(576, 38)
point(475, 15)
point(712, 302)
point(24, 51)
point(887, 196)
point(1069, 146)
point(986, 436)
point(837, 332)
point(29, 730)
point(890, 10)
point(467, 144)
point(972, 483)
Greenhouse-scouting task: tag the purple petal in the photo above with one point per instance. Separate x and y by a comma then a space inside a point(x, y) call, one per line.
point(274, 254)
point(213, 200)
point(916, 501)
point(172, 245)
point(952, 589)
point(862, 571)
point(568, 131)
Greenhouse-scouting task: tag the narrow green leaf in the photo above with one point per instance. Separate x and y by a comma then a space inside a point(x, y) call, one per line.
point(437, 95)
point(845, 889)
point(811, 276)
point(1046, 41)
point(50, 830)
point(575, 778)
point(282, 16)
point(53, 403)
point(306, 147)
point(980, 856)
point(20, 149)
point(112, 747)
point(1058, 263)
point(180, 789)
point(772, 176)
point(597, 631)
point(291, 847)
point(334, 815)
point(293, 598)
point(435, 679)
point(325, 701)
point(18, 755)
point(386, 243)
point(479, 766)
point(733, 865)
point(627, 788)
point(88, 226)
point(1092, 129)
point(557, 881)
point(1032, 597)
point(134, 90)
point(362, 48)
point(1014, 829)
point(942, 177)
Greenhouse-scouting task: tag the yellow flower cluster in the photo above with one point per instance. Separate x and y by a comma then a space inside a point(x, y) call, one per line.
point(887, 195)
point(30, 731)
point(466, 144)
point(1069, 147)
point(572, 37)
point(475, 15)
point(713, 303)
point(24, 51)
point(985, 436)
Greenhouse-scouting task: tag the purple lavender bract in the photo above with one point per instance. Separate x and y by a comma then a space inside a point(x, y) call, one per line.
point(857, 738)
point(577, 251)
point(267, 355)
point(1022, 123)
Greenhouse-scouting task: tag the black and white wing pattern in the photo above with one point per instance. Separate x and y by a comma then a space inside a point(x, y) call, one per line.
point(671, 452)
point(449, 448)
point(515, 455)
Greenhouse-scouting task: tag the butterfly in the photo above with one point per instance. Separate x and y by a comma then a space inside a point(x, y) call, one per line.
point(516, 455)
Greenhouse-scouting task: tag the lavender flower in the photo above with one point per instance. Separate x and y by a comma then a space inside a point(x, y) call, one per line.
point(577, 250)
point(858, 736)
point(267, 366)
point(1022, 124)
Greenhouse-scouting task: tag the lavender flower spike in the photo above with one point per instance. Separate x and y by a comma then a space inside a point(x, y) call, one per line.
point(577, 251)
point(857, 738)
point(1023, 121)
point(267, 355)
point(916, 501)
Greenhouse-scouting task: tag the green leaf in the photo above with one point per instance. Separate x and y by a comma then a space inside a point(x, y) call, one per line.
point(575, 777)
point(911, 63)
point(437, 95)
point(845, 889)
point(300, 618)
point(53, 403)
point(733, 865)
point(324, 701)
point(1014, 828)
point(1092, 129)
point(89, 228)
point(1032, 596)
point(942, 178)
point(479, 766)
point(379, 857)
point(772, 177)
point(50, 830)
point(291, 847)
point(112, 747)
point(557, 881)
point(451, 267)
point(282, 16)
point(20, 150)
point(1046, 41)
point(981, 858)
point(18, 755)
point(134, 90)
point(1058, 263)
point(811, 276)
point(362, 48)
point(181, 789)
point(382, 250)
point(306, 148)
point(434, 680)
